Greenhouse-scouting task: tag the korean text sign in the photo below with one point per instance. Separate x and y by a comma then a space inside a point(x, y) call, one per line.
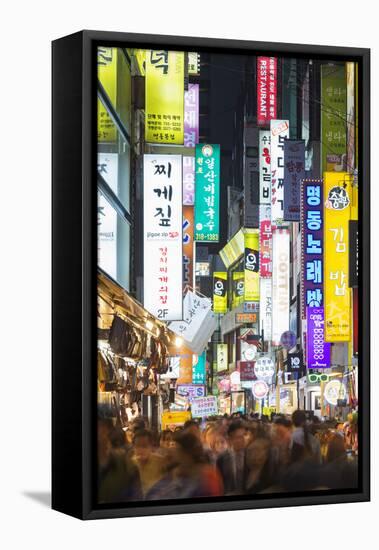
point(312, 242)
point(188, 247)
point(163, 236)
point(265, 241)
point(164, 101)
point(337, 200)
point(279, 132)
point(191, 115)
point(222, 357)
point(264, 167)
point(204, 406)
point(294, 173)
point(251, 286)
point(318, 351)
point(207, 193)
point(266, 89)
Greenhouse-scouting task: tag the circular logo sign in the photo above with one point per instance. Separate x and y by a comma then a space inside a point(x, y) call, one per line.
point(249, 353)
point(235, 378)
point(207, 150)
point(338, 198)
point(260, 389)
point(288, 339)
point(333, 391)
point(264, 368)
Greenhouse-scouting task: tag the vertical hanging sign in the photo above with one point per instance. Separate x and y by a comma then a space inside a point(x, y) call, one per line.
point(279, 132)
point(251, 286)
point(265, 241)
point(337, 200)
point(163, 236)
point(280, 283)
point(264, 167)
point(265, 308)
point(207, 193)
point(266, 89)
point(188, 247)
point(164, 101)
point(318, 351)
point(191, 115)
point(312, 244)
point(189, 181)
point(333, 117)
point(294, 173)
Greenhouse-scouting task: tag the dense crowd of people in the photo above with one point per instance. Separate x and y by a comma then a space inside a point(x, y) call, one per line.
point(230, 455)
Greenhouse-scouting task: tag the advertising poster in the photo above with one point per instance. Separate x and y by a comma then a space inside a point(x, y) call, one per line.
point(220, 291)
point(279, 133)
point(163, 236)
point(312, 244)
point(207, 193)
point(204, 406)
point(251, 287)
point(280, 283)
point(294, 173)
point(337, 200)
point(164, 97)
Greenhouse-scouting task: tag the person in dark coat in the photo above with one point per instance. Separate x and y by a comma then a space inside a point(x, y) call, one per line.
point(232, 463)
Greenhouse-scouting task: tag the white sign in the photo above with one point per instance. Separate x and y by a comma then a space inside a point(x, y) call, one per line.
point(280, 283)
point(279, 130)
point(264, 367)
point(265, 307)
point(198, 324)
point(204, 406)
point(334, 390)
point(260, 389)
point(264, 167)
point(107, 167)
point(163, 239)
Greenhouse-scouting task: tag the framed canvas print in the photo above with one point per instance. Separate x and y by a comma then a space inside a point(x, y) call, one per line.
point(211, 290)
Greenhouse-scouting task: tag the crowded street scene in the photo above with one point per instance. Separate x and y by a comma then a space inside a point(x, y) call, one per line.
point(227, 283)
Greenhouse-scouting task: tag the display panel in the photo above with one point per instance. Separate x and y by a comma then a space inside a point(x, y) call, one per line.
point(174, 424)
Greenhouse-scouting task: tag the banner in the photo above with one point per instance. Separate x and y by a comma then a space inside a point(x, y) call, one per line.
point(197, 317)
point(107, 74)
point(163, 236)
point(185, 366)
point(295, 363)
point(294, 173)
point(312, 244)
point(265, 241)
point(188, 247)
point(164, 97)
point(222, 357)
point(280, 283)
point(337, 199)
point(204, 406)
point(220, 291)
point(107, 167)
point(265, 308)
point(251, 192)
point(199, 369)
point(238, 288)
point(279, 132)
point(188, 181)
point(207, 194)
point(251, 265)
point(333, 118)
point(191, 115)
point(264, 167)
point(318, 351)
point(266, 89)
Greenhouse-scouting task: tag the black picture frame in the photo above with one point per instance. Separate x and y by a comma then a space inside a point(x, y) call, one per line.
point(74, 274)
